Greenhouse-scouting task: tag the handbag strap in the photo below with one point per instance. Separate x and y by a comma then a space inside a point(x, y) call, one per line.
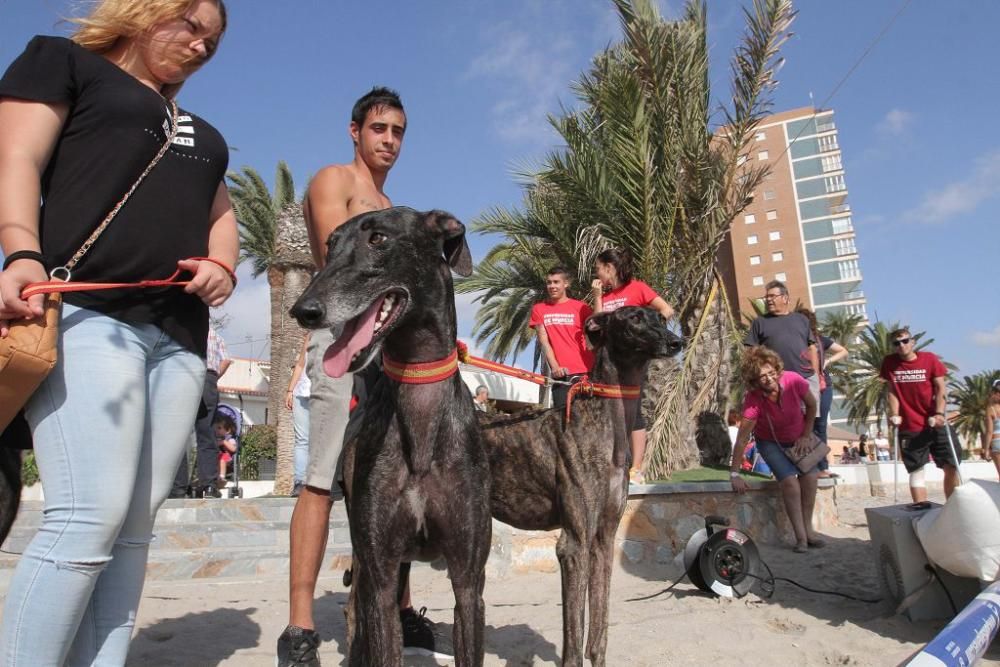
point(65, 270)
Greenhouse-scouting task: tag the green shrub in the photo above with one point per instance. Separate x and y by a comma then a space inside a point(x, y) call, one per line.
point(259, 442)
point(29, 469)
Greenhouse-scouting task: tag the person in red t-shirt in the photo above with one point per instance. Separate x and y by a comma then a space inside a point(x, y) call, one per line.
point(917, 397)
point(613, 288)
point(558, 322)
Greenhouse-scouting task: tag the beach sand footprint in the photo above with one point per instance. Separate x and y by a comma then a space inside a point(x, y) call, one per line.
point(783, 626)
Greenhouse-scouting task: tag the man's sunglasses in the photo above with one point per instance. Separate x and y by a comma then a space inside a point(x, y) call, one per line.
point(901, 341)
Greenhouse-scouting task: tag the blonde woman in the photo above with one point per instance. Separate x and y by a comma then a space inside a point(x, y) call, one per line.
point(80, 119)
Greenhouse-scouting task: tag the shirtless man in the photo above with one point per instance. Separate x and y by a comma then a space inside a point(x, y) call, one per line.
point(336, 194)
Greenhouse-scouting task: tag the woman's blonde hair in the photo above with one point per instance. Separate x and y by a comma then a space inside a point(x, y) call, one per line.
point(110, 20)
point(756, 358)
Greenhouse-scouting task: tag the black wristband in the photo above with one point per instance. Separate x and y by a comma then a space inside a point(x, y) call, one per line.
point(23, 254)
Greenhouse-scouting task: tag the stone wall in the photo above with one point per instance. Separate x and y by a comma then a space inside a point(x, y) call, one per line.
point(658, 522)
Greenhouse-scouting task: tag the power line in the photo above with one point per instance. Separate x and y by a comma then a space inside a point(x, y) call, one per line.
point(857, 63)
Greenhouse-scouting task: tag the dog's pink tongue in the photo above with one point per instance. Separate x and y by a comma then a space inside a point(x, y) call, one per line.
point(355, 337)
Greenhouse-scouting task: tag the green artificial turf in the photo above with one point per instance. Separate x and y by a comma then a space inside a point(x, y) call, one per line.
point(715, 473)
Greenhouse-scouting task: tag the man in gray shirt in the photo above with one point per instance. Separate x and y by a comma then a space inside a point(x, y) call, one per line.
point(787, 333)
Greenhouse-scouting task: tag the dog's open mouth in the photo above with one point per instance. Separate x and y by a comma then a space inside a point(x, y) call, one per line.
point(358, 341)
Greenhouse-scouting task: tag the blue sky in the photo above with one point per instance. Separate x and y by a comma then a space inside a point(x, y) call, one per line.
point(478, 77)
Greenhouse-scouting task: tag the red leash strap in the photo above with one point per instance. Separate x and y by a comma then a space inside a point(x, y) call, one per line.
point(466, 358)
point(50, 286)
point(585, 386)
point(421, 373)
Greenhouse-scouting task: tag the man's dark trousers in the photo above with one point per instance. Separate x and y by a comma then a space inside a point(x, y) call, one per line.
point(208, 450)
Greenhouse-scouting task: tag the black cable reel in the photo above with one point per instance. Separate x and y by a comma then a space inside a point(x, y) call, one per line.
point(723, 562)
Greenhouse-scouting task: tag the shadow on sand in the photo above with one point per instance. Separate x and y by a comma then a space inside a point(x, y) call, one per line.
point(204, 639)
point(514, 644)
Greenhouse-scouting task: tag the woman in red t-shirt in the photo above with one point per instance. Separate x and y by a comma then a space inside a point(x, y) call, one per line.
point(613, 288)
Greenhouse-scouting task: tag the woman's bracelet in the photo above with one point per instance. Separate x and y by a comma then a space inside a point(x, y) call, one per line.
point(23, 254)
point(220, 263)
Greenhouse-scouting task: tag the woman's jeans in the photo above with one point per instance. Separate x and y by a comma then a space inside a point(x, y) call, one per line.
point(819, 428)
point(300, 422)
point(110, 424)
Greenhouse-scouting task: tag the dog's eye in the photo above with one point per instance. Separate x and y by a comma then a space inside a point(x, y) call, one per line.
point(376, 239)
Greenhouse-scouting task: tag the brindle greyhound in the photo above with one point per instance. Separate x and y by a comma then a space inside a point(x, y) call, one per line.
point(575, 477)
point(418, 478)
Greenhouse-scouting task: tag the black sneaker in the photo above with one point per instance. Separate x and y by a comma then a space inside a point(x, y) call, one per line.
point(207, 491)
point(298, 647)
point(418, 634)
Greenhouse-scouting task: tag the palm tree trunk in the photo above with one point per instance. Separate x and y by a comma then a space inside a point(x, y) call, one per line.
point(688, 428)
point(710, 368)
point(286, 340)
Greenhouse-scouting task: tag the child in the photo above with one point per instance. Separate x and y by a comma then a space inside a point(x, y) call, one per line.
point(225, 438)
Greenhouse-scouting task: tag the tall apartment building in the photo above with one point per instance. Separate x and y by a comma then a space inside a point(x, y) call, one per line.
point(798, 228)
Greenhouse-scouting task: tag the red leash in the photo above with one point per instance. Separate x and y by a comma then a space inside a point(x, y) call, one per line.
point(583, 386)
point(49, 286)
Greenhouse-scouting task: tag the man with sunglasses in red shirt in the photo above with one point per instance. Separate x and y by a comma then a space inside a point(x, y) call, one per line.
point(917, 398)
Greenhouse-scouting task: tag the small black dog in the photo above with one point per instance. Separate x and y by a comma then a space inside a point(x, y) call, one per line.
point(575, 477)
point(417, 477)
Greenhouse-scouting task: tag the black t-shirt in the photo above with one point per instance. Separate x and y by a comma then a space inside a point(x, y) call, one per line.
point(115, 127)
point(787, 335)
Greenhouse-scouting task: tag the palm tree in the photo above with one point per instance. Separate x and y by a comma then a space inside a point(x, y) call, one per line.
point(842, 327)
point(641, 169)
point(971, 395)
point(273, 238)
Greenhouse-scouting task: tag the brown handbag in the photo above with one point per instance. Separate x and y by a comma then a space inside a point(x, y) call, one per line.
point(29, 352)
point(818, 450)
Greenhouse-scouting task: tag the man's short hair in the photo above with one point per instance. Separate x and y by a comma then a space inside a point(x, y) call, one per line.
point(379, 96)
point(480, 388)
point(777, 284)
point(896, 333)
point(559, 269)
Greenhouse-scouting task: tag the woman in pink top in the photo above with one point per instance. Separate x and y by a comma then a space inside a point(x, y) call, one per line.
point(613, 288)
point(779, 409)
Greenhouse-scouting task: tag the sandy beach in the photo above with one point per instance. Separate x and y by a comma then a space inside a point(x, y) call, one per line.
point(194, 624)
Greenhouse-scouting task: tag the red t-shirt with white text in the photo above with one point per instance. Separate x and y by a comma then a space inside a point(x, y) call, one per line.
point(632, 293)
point(912, 382)
point(563, 324)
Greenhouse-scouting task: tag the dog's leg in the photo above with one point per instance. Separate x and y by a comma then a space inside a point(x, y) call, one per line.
point(574, 566)
point(601, 560)
point(378, 636)
point(466, 555)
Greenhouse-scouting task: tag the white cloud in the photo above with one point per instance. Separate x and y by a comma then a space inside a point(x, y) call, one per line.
point(895, 123)
point(529, 72)
point(987, 338)
point(248, 316)
point(963, 196)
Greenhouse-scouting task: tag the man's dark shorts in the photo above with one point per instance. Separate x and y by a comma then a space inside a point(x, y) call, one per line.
point(934, 441)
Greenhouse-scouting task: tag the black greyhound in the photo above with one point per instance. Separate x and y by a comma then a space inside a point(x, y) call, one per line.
point(574, 476)
point(417, 476)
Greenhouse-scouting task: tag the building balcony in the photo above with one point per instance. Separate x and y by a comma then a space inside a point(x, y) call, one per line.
point(840, 208)
point(855, 295)
point(825, 126)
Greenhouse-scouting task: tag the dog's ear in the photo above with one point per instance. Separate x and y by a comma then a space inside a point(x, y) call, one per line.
point(456, 250)
point(595, 329)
